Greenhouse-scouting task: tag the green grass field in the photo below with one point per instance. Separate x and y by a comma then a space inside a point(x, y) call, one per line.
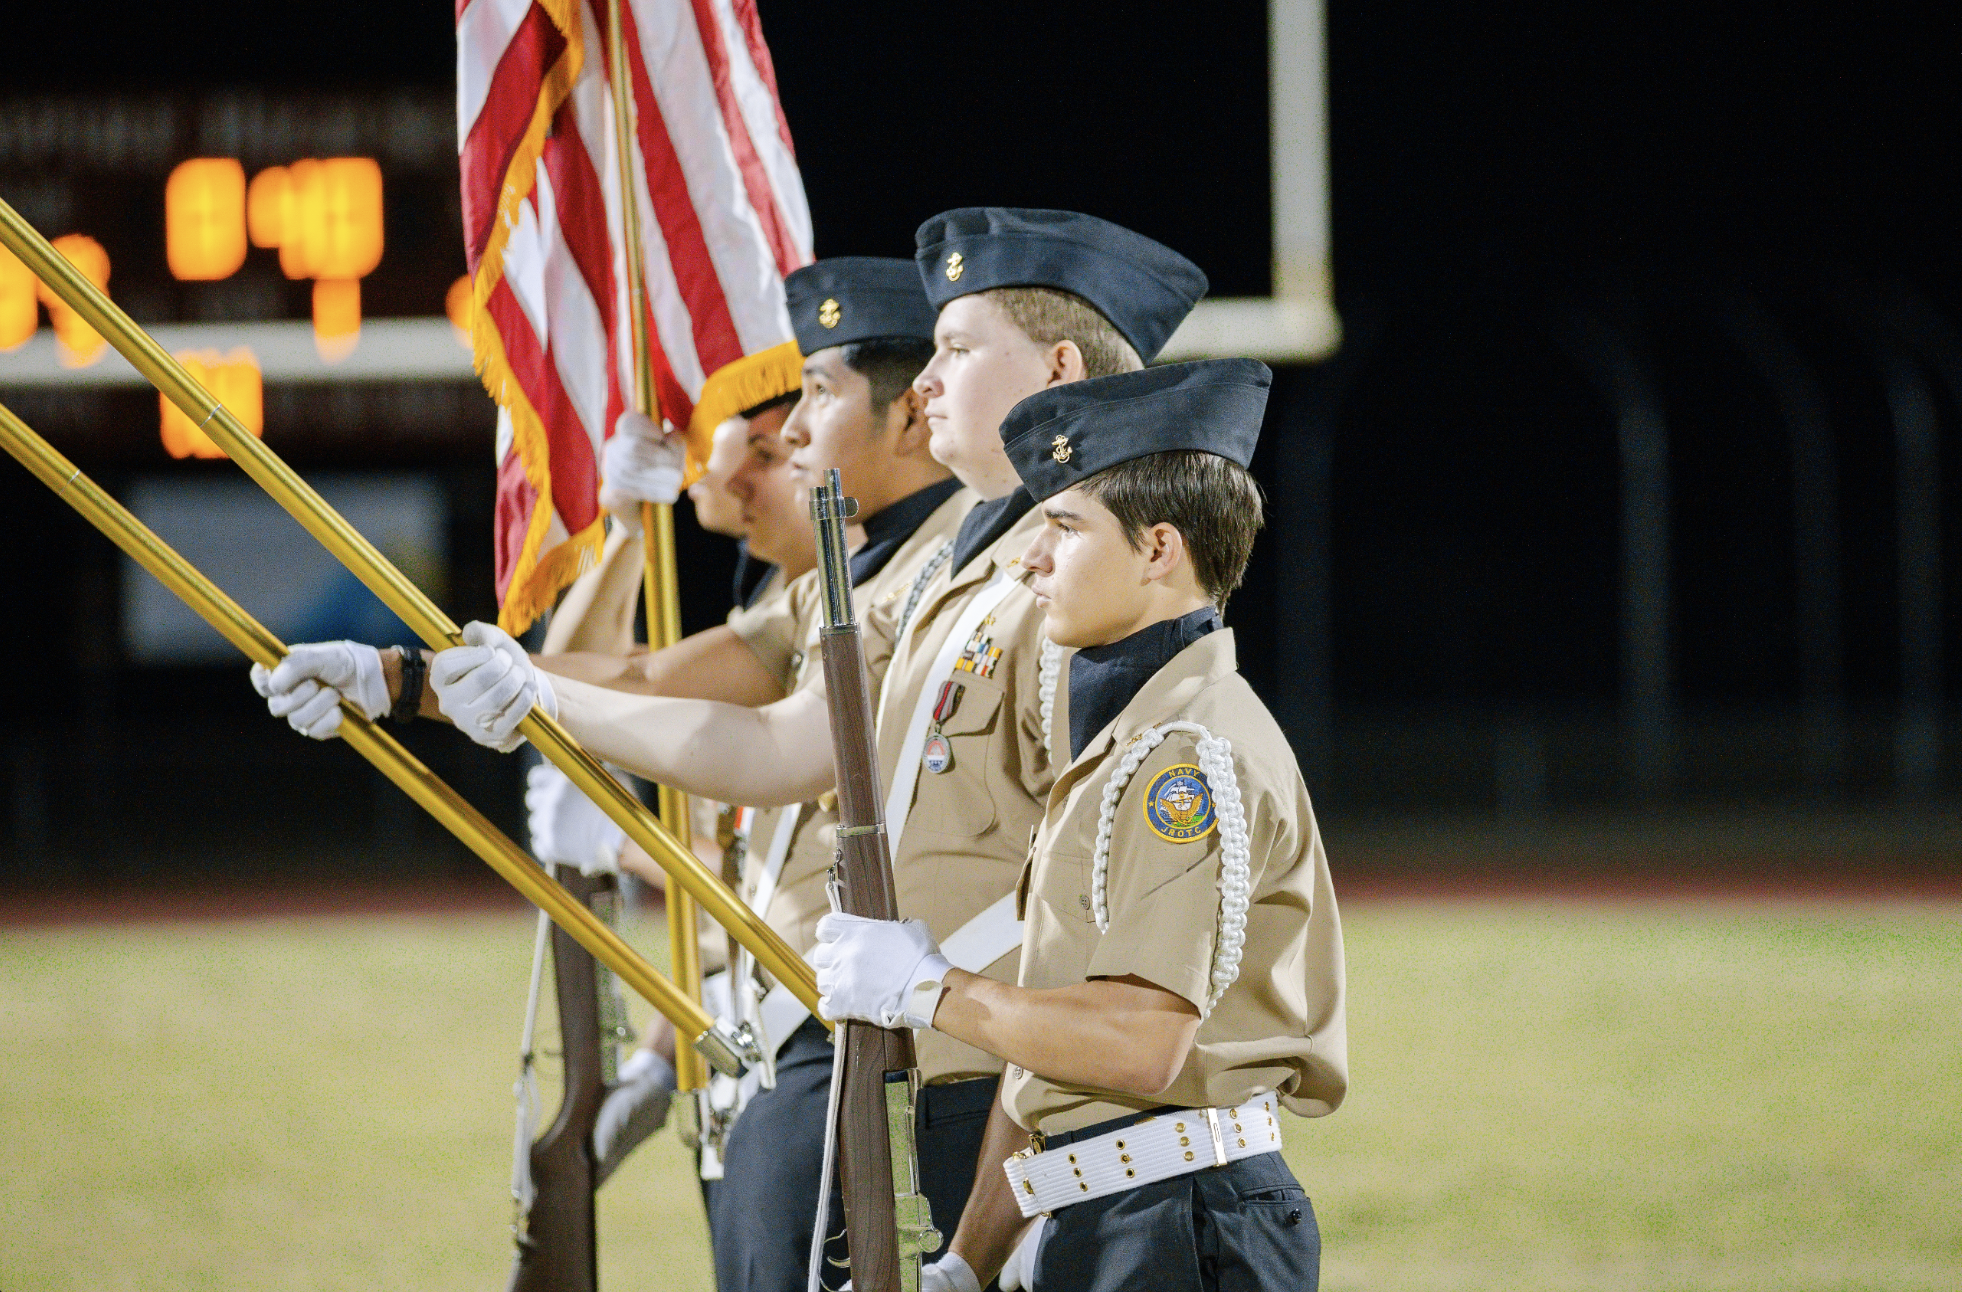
point(1546, 1096)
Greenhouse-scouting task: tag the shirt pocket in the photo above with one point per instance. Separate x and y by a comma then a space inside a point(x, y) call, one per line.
point(1062, 881)
point(961, 800)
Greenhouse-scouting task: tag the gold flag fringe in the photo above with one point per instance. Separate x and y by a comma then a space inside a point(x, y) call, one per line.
point(744, 383)
point(538, 577)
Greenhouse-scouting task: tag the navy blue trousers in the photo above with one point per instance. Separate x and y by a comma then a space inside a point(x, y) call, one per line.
point(1243, 1227)
point(760, 1212)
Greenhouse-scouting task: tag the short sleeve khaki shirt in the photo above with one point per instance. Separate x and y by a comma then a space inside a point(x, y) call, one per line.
point(771, 627)
point(1281, 1025)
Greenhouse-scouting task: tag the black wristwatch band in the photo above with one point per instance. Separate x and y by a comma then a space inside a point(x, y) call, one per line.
point(414, 669)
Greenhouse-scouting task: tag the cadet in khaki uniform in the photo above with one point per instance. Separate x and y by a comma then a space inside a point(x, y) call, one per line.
point(968, 715)
point(865, 329)
point(1028, 300)
point(846, 311)
point(748, 491)
point(1181, 982)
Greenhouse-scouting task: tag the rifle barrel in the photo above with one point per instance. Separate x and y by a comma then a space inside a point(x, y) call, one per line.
point(397, 593)
point(874, 1136)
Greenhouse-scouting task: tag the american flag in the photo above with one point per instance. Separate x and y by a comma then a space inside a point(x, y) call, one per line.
point(722, 219)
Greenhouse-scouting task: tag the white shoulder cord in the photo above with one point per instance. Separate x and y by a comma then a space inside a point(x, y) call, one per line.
point(920, 581)
point(1235, 882)
point(1048, 669)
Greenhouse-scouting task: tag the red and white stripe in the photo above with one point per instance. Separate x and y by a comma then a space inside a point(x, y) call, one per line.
point(722, 217)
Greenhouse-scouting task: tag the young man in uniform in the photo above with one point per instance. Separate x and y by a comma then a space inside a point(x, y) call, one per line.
point(1181, 980)
point(747, 487)
point(865, 328)
point(1028, 300)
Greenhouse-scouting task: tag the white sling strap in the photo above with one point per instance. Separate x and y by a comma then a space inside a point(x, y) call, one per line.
point(986, 938)
point(973, 946)
point(772, 871)
point(906, 776)
point(748, 1008)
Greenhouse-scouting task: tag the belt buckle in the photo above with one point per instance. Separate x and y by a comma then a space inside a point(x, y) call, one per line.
point(1219, 1140)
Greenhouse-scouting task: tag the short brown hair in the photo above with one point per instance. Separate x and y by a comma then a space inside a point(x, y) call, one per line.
point(1212, 501)
point(1049, 314)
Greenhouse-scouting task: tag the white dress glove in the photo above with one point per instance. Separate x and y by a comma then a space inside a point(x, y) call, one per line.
point(888, 972)
point(1019, 1274)
point(487, 685)
point(948, 1274)
point(640, 463)
point(567, 828)
point(308, 686)
point(635, 1108)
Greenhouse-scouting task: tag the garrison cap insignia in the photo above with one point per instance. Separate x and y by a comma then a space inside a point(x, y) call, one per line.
point(1179, 805)
point(1059, 448)
point(954, 267)
point(828, 313)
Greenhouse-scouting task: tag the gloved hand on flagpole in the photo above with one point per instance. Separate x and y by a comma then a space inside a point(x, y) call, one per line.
point(486, 686)
point(640, 463)
point(308, 686)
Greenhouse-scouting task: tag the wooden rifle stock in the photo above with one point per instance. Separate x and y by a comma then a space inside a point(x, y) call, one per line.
point(558, 1240)
point(887, 1229)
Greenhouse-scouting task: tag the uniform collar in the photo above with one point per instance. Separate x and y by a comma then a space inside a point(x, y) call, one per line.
point(987, 522)
point(1202, 664)
point(887, 529)
point(751, 578)
point(1103, 679)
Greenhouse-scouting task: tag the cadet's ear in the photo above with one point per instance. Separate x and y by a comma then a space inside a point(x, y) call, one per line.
point(906, 423)
point(1164, 549)
point(1065, 363)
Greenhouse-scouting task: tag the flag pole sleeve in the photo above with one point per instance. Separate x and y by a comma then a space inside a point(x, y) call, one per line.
point(400, 595)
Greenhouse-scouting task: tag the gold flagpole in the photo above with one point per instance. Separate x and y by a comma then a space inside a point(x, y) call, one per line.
point(660, 591)
point(397, 593)
point(416, 780)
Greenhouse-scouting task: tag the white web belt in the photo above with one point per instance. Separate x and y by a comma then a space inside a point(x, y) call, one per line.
point(1160, 1147)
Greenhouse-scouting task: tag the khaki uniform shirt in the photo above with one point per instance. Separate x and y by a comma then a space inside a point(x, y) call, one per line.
point(768, 626)
point(800, 899)
point(1280, 1026)
point(967, 834)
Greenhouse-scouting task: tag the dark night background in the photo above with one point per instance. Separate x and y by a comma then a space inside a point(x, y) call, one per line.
point(1497, 174)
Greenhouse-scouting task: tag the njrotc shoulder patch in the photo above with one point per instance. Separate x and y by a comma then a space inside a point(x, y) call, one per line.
point(1179, 805)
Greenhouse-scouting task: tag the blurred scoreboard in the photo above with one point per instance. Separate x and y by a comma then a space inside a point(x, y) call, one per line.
point(229, 528)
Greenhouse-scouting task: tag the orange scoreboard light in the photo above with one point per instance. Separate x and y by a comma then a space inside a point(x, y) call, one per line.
point(336, 317)
point(460, 303)
point(235, 380)
point(204, 219)
point(267, 202)
point(81, 345)
point(332, 218)
point(20, 315)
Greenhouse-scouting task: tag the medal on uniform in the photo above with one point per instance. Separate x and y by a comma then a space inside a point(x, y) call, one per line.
point(938, 755)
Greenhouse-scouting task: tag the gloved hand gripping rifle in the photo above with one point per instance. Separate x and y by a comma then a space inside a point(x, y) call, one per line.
point(886, 1217)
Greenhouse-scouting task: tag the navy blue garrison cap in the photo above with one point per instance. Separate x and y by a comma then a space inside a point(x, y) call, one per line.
point(1066, 434)
point(857, 298)
point(1144, 288)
